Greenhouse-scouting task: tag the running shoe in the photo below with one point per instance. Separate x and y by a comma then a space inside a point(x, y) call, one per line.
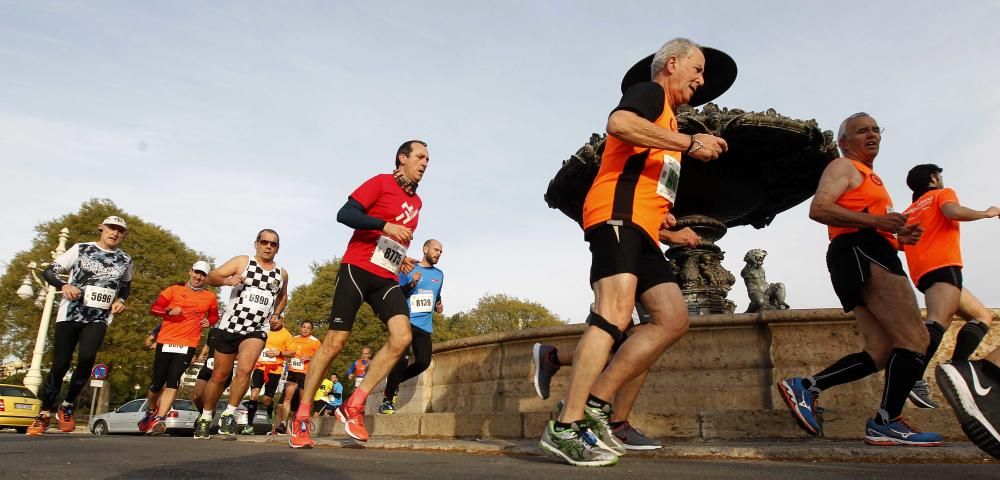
point(801, 403)
point(158, 426)
point(227, 424)
point(39, 426)
point(899, 432)
point(146, 421)
point(280, 429)
point(576, 446)
point(970, 393)
point(247, 430)
point(633, 439)
point(387, 408)
point(67, 423)
point(202, 428)
point(299, 437)
point(354, 422)
point(920, 395)
point(544, 368)
point(598, 420)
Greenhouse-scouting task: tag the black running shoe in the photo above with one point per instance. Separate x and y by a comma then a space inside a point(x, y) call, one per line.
point(920, 395)
point(975, 397)
point(202, 428)
point(544, 368)
point(227, 424)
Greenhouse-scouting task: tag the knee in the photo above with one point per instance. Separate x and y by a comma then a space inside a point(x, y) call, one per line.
point(422, 364)
point(244, 370)
point(879, 350)
point(333, 344)
point(398, 343)
point(672, 328)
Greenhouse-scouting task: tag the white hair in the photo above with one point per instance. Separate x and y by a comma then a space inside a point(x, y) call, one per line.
point(678, 47)
point(842, 131)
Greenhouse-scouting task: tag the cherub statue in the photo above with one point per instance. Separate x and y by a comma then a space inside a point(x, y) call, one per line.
point(763, 295)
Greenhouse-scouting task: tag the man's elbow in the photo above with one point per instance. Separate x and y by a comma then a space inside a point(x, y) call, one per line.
point(616, 124)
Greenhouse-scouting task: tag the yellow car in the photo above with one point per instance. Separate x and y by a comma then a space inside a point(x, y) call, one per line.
point(18, 407)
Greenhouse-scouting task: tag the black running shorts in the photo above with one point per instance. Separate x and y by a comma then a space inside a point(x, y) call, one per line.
point(298, 378)
point(228, 343)
point(205, 374)
point(849, 259)
point(168, 366)
point(356, 285)
point(626, 249)
point(257, 381)
point(952, 275)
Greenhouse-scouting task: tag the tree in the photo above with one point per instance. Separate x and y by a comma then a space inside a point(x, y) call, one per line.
point(160, 259)
point(503, 313)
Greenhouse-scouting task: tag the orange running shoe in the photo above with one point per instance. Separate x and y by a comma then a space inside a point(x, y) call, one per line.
point(39, 426)
point(354, 422)
point(66, 421)
point(299, 435)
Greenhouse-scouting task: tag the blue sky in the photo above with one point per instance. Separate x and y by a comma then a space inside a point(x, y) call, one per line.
point(217, 119)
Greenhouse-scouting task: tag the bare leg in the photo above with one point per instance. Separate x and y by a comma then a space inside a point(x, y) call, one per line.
point(942, 302)
point(878, 342)
point(286, 406)
point(166, 401)
point(223, 370)
point(890, 299)
point(400, 337)
point(626, 396)
point(246, 358)
point(198, 396)
point(970, 308)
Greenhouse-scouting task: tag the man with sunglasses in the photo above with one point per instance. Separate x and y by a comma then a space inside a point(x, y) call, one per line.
point(383, 212)
point(863, 259)
point(99, 281)
point(185, 308)
point(259, 292)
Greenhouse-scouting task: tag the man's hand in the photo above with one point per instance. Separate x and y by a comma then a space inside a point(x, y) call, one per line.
point(271, 352)
point(172, 311)
point(234, 280)
point(149, 342)
point(684, 236)
point(118, 306)
point(416, 279)
point(710, 149)
point(890, 222)
point(70, 292)
point(668, 222)
point(992, 212)
point(398, 232)
point(909, 234)
point(439, 307)
point(201, 358)
point(408, 264)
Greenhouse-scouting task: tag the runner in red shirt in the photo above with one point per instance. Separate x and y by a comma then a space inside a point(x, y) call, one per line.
point(186, 309)
point(383, 212)
point(936, 268)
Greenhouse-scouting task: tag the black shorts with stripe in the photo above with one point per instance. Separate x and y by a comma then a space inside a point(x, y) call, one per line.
point(951, 275)
point(627, 249)
point(849, 259)
point(356, 285)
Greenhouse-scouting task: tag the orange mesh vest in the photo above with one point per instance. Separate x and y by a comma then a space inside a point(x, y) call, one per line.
point(870, 197)
point(625, 189)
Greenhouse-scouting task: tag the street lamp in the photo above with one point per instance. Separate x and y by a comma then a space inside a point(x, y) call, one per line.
point(33, 379)
point(136, 387)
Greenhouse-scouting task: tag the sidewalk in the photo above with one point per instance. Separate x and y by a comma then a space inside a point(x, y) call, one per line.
point(774, 450)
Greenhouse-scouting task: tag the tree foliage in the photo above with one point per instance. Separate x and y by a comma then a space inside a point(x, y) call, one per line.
point(160, 259)
point(504, 313)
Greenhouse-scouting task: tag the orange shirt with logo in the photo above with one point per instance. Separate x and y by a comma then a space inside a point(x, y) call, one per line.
point(280, 340)
point(625, 190)
point(869, 197)
point(939, 246)
point(185, 328)
point(304, 347)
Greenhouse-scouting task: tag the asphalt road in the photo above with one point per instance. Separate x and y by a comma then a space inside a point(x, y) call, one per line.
point(81, 456)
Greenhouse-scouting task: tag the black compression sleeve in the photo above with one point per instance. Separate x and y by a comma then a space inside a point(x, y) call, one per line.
point(50, 276)
point(353, 215)
point(406, 288)
point(124, 290)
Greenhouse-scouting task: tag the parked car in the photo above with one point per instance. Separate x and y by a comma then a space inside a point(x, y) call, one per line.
point(125, 419)
point(18, 407)
point(261, 424)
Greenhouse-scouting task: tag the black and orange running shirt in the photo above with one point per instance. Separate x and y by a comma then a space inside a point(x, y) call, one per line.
point(939, 246)
point(870, 197)
point(636, 185)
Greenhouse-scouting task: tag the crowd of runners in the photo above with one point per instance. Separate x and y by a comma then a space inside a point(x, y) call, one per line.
point(637, 314)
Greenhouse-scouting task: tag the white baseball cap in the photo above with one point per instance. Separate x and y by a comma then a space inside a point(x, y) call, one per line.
point(115, 220)
point(201, 266)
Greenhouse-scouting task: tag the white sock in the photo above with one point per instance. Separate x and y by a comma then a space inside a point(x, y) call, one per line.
point(45, 413)
point(66, 404)
point(207, 414)
point(229, 410)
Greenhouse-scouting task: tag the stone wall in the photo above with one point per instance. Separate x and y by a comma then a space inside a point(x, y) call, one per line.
point(716, 382)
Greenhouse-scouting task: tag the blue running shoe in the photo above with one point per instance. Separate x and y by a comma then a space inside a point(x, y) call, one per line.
point(801, 403)
point(898, 432)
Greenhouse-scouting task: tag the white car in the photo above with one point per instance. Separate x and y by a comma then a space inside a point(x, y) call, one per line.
point(125, 419)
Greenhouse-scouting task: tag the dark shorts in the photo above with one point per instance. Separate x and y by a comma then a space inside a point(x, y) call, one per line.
point(849, 259)
point(627, 251)
point(205, 374)
point(257, 381)
point(299, 380)
point(322, 408)
point(952, 275)
point(168, 367)
point(356, 285)
point(228, 343)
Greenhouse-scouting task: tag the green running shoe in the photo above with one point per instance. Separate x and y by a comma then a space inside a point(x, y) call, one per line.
point(599, 421)
point(227, 424)
point(202, 428)
point(248, 430)
point(576, 446)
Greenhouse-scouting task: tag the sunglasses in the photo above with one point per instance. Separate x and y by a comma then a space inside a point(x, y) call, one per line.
point(268, 243)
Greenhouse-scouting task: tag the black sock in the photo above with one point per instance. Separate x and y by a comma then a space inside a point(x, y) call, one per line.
point(270, 411)
point(904, 368)
point(848, 369)
point(595, 402)
point(251, 411)
point(562, 426)
point(616, 424)
point(991, 370)
point(936, 332)
point(968, 340)
point(554, 357)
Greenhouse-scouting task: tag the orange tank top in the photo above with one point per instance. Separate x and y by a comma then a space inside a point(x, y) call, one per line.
point(869, 197)
point(635, 185)
point(939, 246)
